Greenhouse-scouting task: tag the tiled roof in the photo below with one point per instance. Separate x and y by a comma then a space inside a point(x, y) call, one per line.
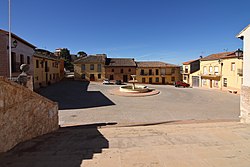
point(154, 64)
point(189, 62)
point(117, 62)
point(217, 56)
point(45, 54)
point(91, 59)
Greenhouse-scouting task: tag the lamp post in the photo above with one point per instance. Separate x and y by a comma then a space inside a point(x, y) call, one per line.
point(239, 53)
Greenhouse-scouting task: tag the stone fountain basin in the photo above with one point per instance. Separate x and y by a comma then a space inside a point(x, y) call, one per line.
point(138, 89)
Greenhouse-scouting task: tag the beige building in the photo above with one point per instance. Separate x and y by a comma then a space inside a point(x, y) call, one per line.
point(222, 71)
point(47, 68)
point(90, 68)
point(190, 73)
point(120, 69)
point(154, 72)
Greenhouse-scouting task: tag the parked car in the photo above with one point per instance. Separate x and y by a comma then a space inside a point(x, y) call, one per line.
point(106, 82)
point(118, 82)
point(181, 84)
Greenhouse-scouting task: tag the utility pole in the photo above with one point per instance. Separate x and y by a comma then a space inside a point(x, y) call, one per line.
point(10, 41)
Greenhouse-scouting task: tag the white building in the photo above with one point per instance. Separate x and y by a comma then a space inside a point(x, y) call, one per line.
point(245, 90)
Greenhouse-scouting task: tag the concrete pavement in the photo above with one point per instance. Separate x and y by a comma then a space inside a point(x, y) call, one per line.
point(181, 144)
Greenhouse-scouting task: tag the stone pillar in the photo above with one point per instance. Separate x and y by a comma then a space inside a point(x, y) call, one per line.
point(245, 104)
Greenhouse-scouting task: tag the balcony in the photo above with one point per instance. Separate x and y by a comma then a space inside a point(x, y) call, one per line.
point(240, 72)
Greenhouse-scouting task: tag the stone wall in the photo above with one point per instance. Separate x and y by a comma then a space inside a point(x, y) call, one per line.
point(245, 104)
point(23, 114)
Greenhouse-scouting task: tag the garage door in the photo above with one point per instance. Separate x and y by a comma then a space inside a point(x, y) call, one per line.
point(195, 81)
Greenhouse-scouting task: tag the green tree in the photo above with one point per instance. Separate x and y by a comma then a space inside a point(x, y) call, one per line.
point(65, 54)
point(81, 54)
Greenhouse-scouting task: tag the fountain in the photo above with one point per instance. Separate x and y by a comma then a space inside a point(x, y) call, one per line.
point(134, 89)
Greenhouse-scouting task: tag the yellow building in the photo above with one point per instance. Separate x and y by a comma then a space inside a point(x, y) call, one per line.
point(222, 71)
point(46, 68)
point(90, 68)
point(157, 72)
point(190, 73)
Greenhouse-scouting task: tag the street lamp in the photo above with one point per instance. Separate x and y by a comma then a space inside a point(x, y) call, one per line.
point(14, 43)
point(239, 53)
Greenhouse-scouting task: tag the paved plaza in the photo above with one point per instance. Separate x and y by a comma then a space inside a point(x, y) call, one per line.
point(87, 103)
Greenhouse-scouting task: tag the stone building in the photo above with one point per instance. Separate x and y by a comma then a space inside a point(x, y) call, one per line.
point(245, 89)
point(21, 53)
point(155, 72)
point(90, 68)
point(120, 69)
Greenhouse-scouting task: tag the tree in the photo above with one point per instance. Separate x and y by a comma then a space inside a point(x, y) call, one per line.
point(81, 54)
point(65, 53)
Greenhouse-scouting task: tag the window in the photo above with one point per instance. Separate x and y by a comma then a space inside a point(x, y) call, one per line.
point(28, 60)
point(50, 76)
point(150, 72)
point(99, 76)
point(172, 79)
point(99, 68)
point(129, 70)
point(216, 84)
point(83, 67)
point(216, 70)
point(143, 80)
point(37, 63)
point(111, 77)
point(204, 82)
point(233, 66)
point(121, 70)
point(113, 70)
point(204, 70)
point(185, 77)
point(92, 67)
point(157, 72)
point(186, 69)
point(210, 69)
point(142, 72)
point(225, 82)
point(163, 71)
point(21, 59)
point(172, 70)
point(157, 79)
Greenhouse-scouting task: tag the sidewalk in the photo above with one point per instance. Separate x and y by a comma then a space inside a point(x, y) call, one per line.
point(187, 144)
point(178, 145)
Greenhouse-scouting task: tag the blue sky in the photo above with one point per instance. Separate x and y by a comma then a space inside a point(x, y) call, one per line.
point(173, 31)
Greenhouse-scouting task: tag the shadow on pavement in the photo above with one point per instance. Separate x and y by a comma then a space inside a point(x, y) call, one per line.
point(72, 94)
point(66, 147)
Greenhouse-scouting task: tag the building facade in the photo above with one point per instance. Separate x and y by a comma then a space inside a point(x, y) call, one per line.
point(21, 53)
point(245, 89)
point(190, 72)
point(47, 68)
point(157, 72)
point(222, 71)
point(90, 68)
point(120, 69)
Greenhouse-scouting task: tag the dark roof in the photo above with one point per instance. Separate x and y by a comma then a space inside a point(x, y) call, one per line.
point(154, 64)
point(117, 62)
point(91, 59)
point(217, 56)
point(189, 62)
point(18, 38)
point(45, 54)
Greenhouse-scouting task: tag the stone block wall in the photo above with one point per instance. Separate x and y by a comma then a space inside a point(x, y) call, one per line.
point(245, 105)
point(24, 114)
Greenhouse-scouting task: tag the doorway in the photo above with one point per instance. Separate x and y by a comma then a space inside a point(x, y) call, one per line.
point(150, 80)
point(211, 83)
point(163, 80)
point(125, 78)
point(92, 77)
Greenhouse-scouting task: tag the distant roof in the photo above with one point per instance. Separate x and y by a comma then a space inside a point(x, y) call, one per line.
point(117, 62)
point(154, 64)
point(18, 38)
point(189, 62)
point(223, 55)
point(91, 59)
point(42, 53)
